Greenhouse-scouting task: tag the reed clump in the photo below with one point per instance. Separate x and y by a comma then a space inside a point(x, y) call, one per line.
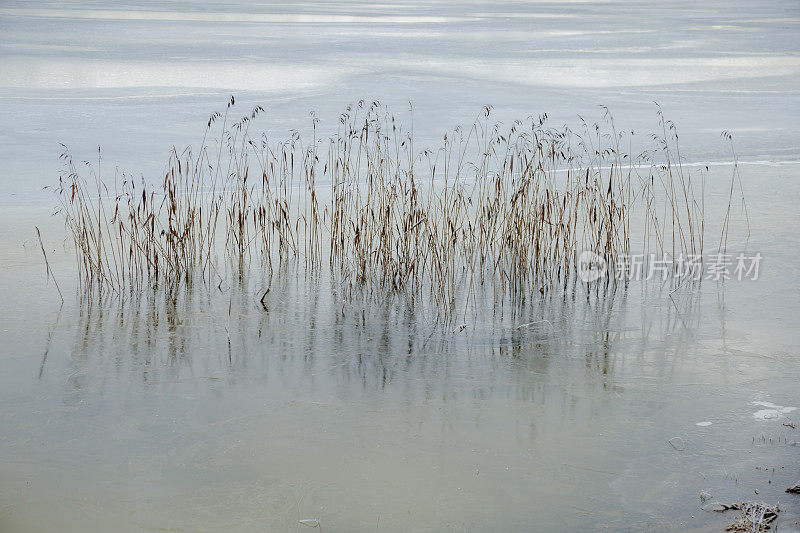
point(500, 208)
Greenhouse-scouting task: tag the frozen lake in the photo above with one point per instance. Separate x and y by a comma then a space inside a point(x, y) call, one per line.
point(209, 414)
point(137, 78)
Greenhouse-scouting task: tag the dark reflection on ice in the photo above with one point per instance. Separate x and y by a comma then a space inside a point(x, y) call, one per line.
point(308, 338)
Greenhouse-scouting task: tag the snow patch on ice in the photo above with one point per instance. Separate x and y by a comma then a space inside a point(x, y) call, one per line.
point(771, 411)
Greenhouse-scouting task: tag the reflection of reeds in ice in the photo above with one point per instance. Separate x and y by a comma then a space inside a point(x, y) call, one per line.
point(507, 208)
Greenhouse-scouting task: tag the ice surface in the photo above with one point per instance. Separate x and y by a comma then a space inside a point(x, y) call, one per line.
point(143, 432)
point(139, 77)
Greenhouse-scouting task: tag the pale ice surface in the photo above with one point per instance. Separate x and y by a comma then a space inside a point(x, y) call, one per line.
point(137, 77)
